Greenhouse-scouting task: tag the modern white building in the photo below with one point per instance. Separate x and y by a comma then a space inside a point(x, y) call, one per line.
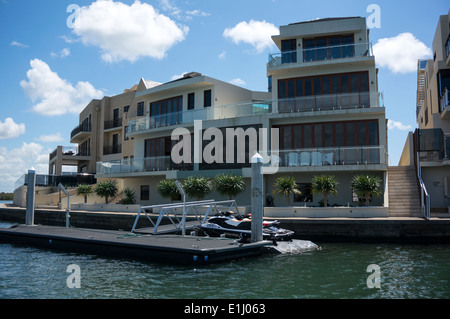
point(322, 114)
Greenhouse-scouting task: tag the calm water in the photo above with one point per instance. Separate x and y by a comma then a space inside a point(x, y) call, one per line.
point(334, 271)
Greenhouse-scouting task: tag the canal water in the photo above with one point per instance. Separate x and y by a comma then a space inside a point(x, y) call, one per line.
point(336, 270)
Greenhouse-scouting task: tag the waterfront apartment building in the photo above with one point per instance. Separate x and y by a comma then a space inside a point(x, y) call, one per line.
point(322, 114)
point(323, 101)
point(428, 147)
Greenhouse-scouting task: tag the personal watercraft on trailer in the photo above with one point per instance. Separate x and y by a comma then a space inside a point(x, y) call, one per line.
point(230, 225)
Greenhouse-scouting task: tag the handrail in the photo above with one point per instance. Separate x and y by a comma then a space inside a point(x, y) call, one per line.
point(167, 209)
point(424, 196)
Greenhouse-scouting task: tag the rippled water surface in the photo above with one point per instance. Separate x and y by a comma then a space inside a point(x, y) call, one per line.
point(333, 271)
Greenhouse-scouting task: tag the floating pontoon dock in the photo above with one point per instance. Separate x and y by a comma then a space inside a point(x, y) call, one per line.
point(162, 248)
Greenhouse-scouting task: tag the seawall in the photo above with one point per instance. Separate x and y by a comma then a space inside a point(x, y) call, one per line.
point(390, 229)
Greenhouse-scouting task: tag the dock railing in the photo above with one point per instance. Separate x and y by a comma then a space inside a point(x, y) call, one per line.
point(424, 196)
point(176, 213)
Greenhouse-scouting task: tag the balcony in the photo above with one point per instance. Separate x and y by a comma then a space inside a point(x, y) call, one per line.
point(330, 156)
point(330, 102)
point(433, 145)
point(149, 164)
point(208, 113)
point(81, 132)
point(112, 149)
point(112, 124)
point(307, 56)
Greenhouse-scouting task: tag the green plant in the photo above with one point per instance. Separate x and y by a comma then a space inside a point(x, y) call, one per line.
point(129, 196)
point(197, 187)
point(106, 189)
point(168, 189)
point(229, 185)
point(285, 186)
point(84, 190)
point(366, 186)
point(326, 185)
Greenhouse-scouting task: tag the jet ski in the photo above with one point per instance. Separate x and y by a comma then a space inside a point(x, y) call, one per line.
point(231, 225)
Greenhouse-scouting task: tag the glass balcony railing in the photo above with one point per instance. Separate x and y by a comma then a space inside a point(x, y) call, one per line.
point(149, 164)
point(329, 102)
point(207, 113)
point(327, 156)
point(325, 53)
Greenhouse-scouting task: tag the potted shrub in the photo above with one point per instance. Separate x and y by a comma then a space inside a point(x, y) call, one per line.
point(285, 186)
point(129, 197)
point(326, 185)
point(168, 189)
point(106, 189)
point(229, 185)
point(197, 187)
point(366, 186)
point(84, 190)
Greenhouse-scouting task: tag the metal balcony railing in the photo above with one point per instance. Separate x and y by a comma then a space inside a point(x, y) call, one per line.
point(112, 149)
point(109, 124)
point(83, 127)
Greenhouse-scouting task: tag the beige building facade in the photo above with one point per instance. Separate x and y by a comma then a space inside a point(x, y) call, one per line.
point(428, 147)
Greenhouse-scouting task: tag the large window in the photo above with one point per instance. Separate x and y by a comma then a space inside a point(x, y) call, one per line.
point(289, 51)
point(140, 109)
point(329, 134)
point(348, 142)
point(324, 92)
point(166, 112)
point(328, 48)
point(207, 96)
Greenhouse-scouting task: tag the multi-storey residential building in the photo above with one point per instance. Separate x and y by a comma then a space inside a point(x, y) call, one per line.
point(428, 148)
point(99, 134)
point(323, 102)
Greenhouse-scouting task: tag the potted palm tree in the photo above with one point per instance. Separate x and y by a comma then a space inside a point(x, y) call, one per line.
point(366, 186)
point(106, 189)
point(229, 185)
point(326, 185)
point(285, 186)
point(84, 190)
point(168, 189)
point(197, 187)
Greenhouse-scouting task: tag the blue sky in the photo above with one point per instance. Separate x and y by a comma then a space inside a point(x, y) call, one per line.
point(52, 63)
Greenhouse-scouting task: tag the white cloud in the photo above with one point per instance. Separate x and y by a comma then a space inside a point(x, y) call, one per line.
point(400, 53)
point(394, 125)
point(10, 129)
point(62, 54)
point(56, 96)
point(50, 138)
point(223, 55)
point(18, 161)
point(256, 33)
point(18, 44)
point(238, 82)
point(197, 13)
point(124, 32)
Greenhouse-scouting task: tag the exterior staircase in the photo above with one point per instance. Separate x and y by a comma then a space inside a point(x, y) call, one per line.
point(403, 189)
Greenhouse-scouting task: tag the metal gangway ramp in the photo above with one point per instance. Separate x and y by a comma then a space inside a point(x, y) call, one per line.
point(177, 213)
